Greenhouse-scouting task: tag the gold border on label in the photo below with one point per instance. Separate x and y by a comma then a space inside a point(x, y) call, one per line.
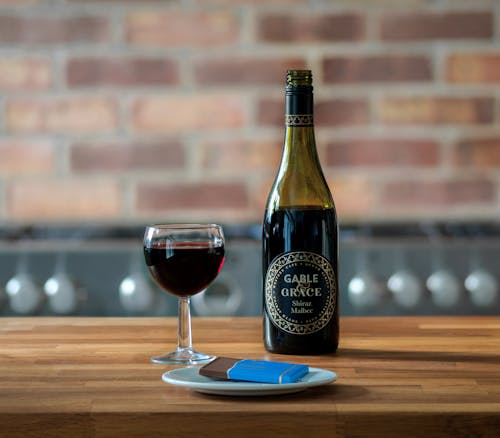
point(276, 316)
point(298, 119)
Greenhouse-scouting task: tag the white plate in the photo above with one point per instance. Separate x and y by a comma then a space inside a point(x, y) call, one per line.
point(190, 378)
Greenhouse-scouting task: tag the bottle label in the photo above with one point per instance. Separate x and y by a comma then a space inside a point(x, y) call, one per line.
point(300, 292)
point(299, 120)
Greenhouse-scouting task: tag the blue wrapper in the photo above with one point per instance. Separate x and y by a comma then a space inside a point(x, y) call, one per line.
point(250, 370)
point(266, 371)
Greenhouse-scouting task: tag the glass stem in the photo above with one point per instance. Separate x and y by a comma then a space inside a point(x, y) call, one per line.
point(184, 330)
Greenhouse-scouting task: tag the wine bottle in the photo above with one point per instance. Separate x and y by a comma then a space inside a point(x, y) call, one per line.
point(300, 238)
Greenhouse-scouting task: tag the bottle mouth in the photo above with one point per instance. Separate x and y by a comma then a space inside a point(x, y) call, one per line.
point(299, 78)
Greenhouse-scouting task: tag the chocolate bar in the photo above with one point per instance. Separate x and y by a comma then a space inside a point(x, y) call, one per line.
point(249, 370)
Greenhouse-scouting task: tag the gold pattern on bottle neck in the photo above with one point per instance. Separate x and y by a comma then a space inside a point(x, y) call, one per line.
point(299, 120)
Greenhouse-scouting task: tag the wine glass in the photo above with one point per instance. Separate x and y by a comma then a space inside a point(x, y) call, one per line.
point(184, 259)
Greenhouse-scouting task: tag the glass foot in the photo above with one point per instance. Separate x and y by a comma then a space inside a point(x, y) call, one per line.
point(182, 356)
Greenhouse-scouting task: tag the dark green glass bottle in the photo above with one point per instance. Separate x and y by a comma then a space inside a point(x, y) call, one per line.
point(300, 239)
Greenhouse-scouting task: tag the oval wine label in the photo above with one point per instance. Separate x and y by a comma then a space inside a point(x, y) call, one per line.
point(300, 292)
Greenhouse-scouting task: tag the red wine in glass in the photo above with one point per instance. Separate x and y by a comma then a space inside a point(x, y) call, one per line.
point(184, 259)
point(184, 268)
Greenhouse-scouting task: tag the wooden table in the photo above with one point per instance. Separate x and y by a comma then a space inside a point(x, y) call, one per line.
point(422, 376)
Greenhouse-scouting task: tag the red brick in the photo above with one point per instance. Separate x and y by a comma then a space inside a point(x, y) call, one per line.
point(188, 112)
point(25, 73)
point(387, 68)
point(111, 1)
point(61, 114)
point(182, 29)
point(57, 200)
point(108, 156)
point(481, 153)
point(310, 27)
point(436, 110)
point(445, 25)
point(245, 71)
point(104, 2)
point(260, 192)
point(271, 112)
point(197, 2)
point(168, 197)
point(341, 112)
point(237, 156)
point(416, 193)
point(246, 2)
point(121, 71)
point(383, 152)
point(326, 112)
point(49, 30)
point(355, 196)
point(22, 157)
point(473, 68)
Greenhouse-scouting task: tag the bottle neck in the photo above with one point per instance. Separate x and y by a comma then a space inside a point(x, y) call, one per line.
point(299, 106)
point(299, 150)
point(299, 124)
point(300, 181)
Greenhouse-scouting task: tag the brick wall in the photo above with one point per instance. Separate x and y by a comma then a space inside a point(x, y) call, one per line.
point(173, 110)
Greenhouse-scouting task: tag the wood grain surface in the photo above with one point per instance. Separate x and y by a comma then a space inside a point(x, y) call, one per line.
point(419, 376)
